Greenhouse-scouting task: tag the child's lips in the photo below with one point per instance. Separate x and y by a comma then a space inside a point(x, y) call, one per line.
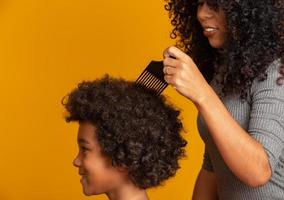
point(81, 172)
point(83, 178)
point(83, 175)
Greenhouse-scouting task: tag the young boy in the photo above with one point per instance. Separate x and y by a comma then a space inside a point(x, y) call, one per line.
point(129, 138)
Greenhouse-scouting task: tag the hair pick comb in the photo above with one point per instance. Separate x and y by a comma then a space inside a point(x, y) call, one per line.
point(153, 77)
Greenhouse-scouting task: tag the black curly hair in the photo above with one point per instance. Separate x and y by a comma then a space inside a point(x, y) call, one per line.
point(136, 128)
point(256, 38)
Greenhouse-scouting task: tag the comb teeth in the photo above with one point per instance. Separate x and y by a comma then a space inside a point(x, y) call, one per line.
point(153, 77)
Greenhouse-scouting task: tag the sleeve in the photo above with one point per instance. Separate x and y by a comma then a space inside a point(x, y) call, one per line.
point(207, 165)
point(266, 123)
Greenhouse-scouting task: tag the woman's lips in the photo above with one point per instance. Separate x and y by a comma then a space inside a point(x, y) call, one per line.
point(209, 31)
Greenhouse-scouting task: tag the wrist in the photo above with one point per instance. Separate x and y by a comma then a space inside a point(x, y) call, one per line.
point(206, 99)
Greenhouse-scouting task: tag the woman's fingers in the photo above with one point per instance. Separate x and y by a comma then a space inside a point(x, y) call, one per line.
point(170, 79)
point(174, 52)
point(177, 70)
point(169, 70)
point(182, 73)
point(171, 62)
point(170, 66)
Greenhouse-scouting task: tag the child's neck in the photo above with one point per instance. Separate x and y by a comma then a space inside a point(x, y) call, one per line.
point(127, 192)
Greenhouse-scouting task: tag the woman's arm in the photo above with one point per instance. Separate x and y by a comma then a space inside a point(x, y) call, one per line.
point(205, 186)
point(244, 155)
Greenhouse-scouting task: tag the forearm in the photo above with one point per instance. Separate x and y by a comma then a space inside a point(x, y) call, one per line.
point(243, 154)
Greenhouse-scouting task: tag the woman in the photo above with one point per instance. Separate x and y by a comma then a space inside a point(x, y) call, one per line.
point(232, 70)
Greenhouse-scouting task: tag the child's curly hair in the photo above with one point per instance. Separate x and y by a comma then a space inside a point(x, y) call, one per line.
point(136, 128)
point(256, 38)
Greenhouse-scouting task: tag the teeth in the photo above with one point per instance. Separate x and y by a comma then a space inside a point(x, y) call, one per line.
point(210, 29)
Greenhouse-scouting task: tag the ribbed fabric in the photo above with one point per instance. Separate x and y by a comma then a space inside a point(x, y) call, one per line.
point(262, 116)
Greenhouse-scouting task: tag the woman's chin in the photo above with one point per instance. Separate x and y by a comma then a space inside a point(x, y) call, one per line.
point(215, 45)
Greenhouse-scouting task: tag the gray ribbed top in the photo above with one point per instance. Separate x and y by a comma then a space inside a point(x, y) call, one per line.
point(262, 116)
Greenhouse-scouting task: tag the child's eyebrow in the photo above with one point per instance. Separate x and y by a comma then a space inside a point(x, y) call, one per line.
point(81, 140)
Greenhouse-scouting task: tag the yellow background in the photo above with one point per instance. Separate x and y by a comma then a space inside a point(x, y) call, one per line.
point(46, 48)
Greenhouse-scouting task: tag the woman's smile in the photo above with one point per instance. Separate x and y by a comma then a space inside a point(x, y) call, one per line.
point(209, 31)
point(213, 24)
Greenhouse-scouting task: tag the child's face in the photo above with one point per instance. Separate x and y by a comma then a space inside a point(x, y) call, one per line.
point(98, 174)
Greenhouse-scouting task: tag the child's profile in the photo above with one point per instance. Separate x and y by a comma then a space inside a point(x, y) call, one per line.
point(129, 138)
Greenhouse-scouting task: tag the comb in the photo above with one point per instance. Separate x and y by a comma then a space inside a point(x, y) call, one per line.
point(153, 77)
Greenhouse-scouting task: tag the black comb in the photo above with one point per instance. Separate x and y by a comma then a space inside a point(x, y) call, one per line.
point(153, 77)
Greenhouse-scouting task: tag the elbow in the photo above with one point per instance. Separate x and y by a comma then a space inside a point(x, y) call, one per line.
point(258, 182)
point(260, 178)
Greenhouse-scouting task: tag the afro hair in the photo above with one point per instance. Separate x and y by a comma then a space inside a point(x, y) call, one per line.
point(136, 128)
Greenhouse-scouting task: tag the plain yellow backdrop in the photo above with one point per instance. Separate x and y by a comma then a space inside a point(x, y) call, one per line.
point(46, 48)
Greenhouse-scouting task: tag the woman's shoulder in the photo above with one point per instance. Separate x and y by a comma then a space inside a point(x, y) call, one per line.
point(270, 82)
point(273, 68)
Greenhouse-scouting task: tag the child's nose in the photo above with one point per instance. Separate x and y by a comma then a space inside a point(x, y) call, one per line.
point(77, 161)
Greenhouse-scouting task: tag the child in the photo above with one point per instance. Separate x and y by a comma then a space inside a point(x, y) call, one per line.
point(129, 138)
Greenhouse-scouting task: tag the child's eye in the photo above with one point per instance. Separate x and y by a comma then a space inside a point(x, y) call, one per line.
point(84, 149)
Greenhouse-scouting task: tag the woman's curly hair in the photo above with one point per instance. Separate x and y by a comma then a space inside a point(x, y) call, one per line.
point(256, 38)
point(136, 128)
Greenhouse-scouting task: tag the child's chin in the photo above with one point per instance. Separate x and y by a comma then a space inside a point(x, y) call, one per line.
point(89, 192)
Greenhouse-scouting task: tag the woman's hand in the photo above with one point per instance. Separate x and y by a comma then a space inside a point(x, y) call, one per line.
point(182, 73)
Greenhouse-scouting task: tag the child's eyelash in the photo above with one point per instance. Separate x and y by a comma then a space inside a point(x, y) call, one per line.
point(84, 149)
